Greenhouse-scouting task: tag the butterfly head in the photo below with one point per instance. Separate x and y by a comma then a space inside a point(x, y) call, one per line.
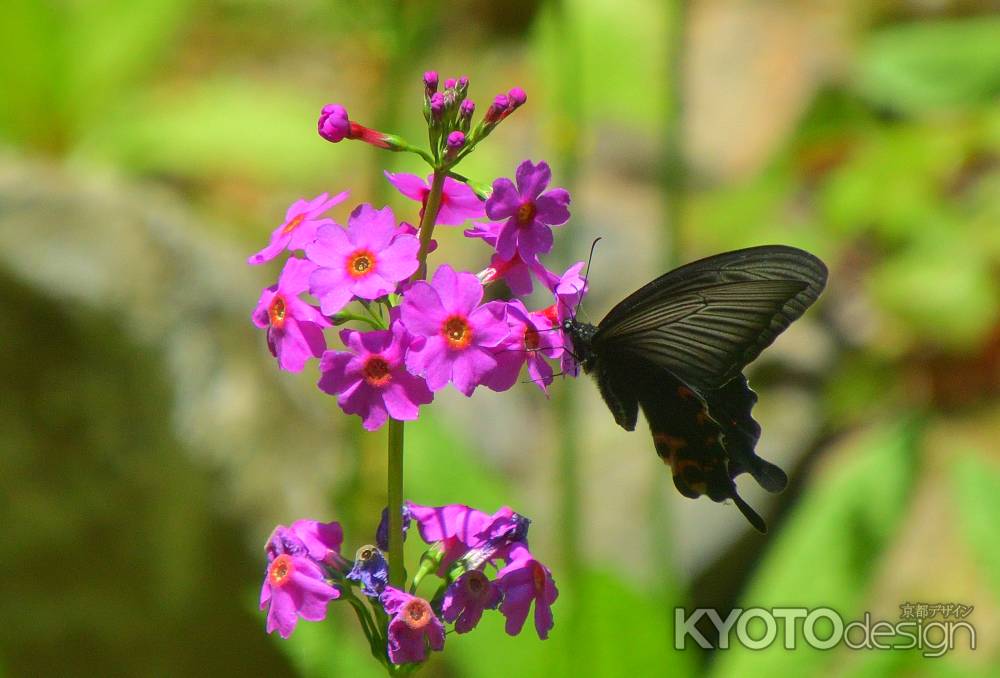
point(581, 335)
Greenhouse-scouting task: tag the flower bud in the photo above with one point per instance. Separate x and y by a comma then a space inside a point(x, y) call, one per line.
point(449, 83)
point(430, 83)
point(334, 124)
point(516, 97)
point(497, 109)
point(437, 106)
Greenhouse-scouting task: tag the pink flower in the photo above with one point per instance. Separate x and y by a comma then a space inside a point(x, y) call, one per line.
point(299, 228)
point(522, 581)
point(458, 202)
point(413, 627)
point(529, 212)
point(294, 328)
point(459, 332)
point(530, 341)
point(370, 379)
point(294, 583)
point(467, 597)
point(367, 260)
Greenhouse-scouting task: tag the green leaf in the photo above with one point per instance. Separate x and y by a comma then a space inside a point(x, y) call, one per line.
point(932, 65)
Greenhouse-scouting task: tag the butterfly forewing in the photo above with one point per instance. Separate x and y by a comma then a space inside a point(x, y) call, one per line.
point(705, 321)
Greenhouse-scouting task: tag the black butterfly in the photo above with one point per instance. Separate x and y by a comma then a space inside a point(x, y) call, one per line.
point(677, 348)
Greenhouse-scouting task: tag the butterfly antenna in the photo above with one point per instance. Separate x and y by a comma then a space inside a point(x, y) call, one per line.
point(586, 275)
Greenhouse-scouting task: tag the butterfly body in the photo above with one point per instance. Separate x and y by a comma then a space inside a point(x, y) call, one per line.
point(675, 350)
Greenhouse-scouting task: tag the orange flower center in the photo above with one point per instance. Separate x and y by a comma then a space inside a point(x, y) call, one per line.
point(417, 613)
point(276, 312)
point(531, 339)
point(377, 372)
point(457, 332)
point(360, 263)
point(293, 224)
point(538, 577)
point(525, 213)
point(281, 570)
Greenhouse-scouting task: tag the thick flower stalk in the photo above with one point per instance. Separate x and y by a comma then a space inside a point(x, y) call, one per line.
point(413, 329)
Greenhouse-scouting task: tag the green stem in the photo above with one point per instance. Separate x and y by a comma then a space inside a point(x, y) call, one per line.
point(428, 220)
point(397, 574)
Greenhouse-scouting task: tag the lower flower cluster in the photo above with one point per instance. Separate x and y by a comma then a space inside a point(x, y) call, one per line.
point(479, 562)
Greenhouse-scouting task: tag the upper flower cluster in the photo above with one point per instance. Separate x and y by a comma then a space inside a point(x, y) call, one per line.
point(422, 335)
point(305, 571)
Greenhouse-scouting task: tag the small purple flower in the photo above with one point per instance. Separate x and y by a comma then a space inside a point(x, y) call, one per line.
point(382, 532)
point(529, 341)
point(294, 327)
point(371, 569)
point(458, 202)
point(294, 584)
point(334, 124)
point(370, 379)
point(367, 260)
point(456, 140)
point(529, 210)
point(458, 332)
point(299, 228)
point(522, 581)
point(466, 599)
point(413, 627)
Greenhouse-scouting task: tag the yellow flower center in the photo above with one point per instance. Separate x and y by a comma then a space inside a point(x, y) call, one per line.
point(360, 263)
point(457, 332)
point(276, 312)
point(376, 371)
point(281, 570)
point(293, 224)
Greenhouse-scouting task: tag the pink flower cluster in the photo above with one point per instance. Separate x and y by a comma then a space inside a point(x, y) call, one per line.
point(306, 571)
point(422, 335)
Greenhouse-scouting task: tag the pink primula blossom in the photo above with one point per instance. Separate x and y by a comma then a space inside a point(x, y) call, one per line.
point(459, 203)
point(530, 341)
point(413, 627)
point(522, 581)
point(458, 332)
point(527, 210)
point(370, 379)
point(294, 583)
point(299, 228)
point(294, 327)
point(367, 261)
point(568, 290)
point(467, 598)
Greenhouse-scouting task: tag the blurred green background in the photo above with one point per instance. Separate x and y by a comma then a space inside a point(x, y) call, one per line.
point(148, 443)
